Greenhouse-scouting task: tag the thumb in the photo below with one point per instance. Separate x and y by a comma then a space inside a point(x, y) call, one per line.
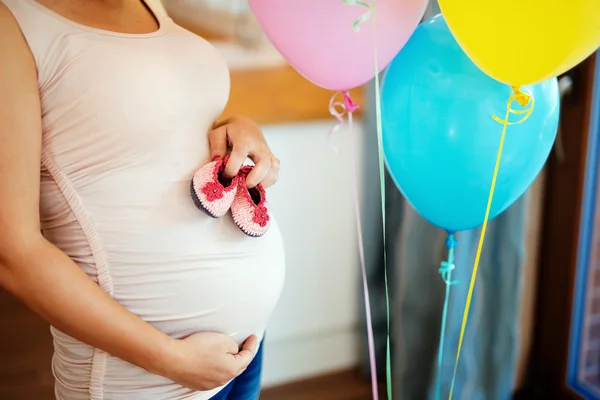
point(217, 139)
point(246, 355)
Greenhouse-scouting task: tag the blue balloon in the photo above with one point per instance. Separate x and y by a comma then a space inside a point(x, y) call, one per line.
point(440, 140)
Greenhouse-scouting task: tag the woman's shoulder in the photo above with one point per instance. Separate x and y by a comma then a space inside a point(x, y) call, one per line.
point(42, 33)
point(11, 35)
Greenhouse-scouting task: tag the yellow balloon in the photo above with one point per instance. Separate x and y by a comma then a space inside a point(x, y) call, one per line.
point(521, 42)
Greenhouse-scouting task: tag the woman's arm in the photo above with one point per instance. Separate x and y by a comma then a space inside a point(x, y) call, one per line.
point(47, 280)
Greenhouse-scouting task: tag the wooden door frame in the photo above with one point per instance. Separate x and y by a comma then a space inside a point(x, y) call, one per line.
point(560, 242)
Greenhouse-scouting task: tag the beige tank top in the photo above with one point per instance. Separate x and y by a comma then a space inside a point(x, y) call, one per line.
point(125, 121)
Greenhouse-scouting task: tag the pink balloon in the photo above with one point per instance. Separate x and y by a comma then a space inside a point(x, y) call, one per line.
point(318, 39)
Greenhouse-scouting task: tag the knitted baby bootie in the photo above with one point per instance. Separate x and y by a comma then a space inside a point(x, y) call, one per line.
point(249, 208)
point(211, 191)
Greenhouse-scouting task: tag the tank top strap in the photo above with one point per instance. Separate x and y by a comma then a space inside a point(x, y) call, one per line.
point(157, 7)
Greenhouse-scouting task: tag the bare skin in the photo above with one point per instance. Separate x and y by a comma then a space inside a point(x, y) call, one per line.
point(45, 278)
point(112, 15)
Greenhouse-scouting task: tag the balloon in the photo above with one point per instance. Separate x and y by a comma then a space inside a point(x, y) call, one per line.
point(440, 140)
point(524, 42)
point(318, 39)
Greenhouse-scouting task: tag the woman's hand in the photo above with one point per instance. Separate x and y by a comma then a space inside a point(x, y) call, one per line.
point(245, 140)
point(206, 361)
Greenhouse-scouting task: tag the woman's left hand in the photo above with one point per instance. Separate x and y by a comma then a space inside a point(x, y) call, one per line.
point(245, 139)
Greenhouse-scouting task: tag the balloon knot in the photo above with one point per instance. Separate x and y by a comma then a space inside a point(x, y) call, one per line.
point(350, 105)
point(522, 98)
point(451, 242)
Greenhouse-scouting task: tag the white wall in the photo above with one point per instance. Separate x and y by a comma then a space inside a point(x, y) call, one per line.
point(315, 327)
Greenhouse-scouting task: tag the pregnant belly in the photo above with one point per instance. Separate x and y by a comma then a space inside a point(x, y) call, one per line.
point(235, 297)
point(227, 284)
point(210, 278)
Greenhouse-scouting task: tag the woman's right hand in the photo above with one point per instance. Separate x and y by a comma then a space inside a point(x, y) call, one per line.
point(206, 361)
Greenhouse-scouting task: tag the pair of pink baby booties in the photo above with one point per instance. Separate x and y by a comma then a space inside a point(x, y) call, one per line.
point(215, 194)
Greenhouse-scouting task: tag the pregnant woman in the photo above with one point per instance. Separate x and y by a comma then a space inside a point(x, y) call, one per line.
point(107, 110)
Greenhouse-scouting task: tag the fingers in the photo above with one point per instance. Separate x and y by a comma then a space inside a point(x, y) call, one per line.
point(246, 355)
point(238, 155)
point(260, 171)
point(251, 344)
point(266, 168)
point(273, 175)
point(217, 139)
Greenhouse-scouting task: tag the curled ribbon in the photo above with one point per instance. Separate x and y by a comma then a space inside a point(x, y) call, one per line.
point(339, 110)
point(445, 271)
point(363, 18)
point(524, 99)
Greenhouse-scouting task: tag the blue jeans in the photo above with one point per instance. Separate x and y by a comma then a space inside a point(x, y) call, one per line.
point(247, 385)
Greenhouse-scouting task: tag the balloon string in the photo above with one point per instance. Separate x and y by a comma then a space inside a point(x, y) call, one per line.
point(371, 341)
point(524, 100)
point(371, 13)
point(388, 355)
point(341, 109)
point(445, 271)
